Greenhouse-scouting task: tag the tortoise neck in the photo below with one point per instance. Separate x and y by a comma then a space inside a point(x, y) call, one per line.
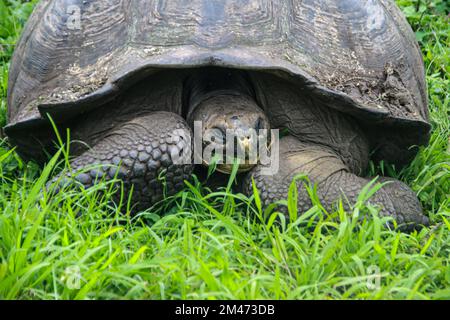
point(206, 83)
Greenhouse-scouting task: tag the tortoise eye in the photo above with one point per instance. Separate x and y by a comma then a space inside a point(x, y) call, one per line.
point(217, 135)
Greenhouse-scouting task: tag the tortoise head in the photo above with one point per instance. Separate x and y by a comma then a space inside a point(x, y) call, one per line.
point(232, 127)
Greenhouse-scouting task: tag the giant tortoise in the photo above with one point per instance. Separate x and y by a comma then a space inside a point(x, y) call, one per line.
point(342, 79)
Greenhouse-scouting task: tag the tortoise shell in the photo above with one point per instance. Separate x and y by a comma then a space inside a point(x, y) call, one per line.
point(357, 56)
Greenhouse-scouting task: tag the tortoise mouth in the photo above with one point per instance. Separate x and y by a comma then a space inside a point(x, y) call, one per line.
point(246, 154)
point(228, 168)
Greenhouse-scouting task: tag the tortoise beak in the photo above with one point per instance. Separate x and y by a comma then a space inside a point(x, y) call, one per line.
point(228, 168)
point(245, 144)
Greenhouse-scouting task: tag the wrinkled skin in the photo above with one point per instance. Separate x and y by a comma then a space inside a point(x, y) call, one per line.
point(135, 141)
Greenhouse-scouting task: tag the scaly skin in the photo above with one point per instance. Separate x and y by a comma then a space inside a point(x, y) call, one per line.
point(334, 181)
point(141, 153)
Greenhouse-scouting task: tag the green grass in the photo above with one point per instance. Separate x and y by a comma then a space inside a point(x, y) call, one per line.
point(213, 245)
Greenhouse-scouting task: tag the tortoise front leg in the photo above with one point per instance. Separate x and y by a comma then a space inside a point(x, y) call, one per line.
point(140, 152)
point(335, 181)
